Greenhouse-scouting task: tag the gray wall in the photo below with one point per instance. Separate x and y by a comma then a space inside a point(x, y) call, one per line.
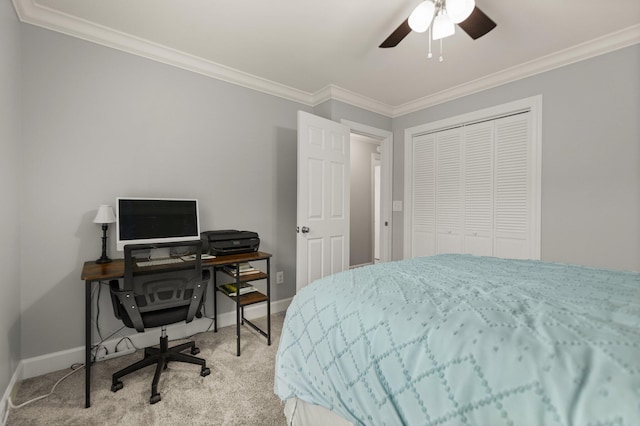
point(99, 123)
point(342, 111)
point(10, 345)
point(590, 157)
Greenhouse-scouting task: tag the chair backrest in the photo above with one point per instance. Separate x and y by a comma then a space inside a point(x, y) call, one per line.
point(154, 296)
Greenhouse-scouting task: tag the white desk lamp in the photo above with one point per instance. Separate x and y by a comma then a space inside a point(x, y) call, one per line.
point(104, 216)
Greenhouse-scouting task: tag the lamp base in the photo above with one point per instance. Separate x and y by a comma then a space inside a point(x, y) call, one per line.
point(104, 258)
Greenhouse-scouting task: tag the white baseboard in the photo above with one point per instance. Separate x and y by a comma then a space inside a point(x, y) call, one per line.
point(4, 402)
point(43, 364)
point(360, 265)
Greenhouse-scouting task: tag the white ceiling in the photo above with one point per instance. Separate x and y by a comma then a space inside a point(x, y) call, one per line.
point(311, 50)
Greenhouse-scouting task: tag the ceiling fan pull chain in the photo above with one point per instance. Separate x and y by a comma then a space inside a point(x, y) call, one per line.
point(441, 51)
point(429, 55)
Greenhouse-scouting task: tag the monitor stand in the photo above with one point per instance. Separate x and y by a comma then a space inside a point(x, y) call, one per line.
point(159, 253)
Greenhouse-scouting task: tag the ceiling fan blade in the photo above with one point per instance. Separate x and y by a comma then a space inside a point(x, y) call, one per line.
point(477, 24)
point(396, 37)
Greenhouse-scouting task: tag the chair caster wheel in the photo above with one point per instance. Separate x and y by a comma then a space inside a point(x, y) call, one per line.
point(205, 372)
point(195, 351)
point(155, 398)
point(116, 386)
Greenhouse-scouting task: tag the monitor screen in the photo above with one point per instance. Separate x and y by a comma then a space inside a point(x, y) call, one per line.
point(156, 220)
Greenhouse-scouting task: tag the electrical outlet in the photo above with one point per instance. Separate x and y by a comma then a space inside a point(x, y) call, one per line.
point(279, 277)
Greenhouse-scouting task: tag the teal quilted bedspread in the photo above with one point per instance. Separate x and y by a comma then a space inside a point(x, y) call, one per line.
point(464, 340)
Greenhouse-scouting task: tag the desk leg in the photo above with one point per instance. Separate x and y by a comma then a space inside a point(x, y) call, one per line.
point(269, 301)
point(238, 307)
point(215, 300)
point(87, 344)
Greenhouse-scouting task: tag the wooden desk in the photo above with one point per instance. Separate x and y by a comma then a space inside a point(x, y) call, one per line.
point(94, 273)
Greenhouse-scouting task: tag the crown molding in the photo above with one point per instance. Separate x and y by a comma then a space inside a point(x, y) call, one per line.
point(608, 43)
point(336, 93)
point(30, 12)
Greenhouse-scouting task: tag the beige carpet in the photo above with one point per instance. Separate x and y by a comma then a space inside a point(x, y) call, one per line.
point(239, 390)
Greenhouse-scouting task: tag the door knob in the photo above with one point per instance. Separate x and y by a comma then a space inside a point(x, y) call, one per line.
point(305, 229)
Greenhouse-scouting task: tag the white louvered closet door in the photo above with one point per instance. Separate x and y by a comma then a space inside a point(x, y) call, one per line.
point(423, 239)
point(478, 188)
point(513, 187)
point(449, 200)
point(472, 190)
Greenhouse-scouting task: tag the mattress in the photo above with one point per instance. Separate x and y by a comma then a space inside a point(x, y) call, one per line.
point(459, 339)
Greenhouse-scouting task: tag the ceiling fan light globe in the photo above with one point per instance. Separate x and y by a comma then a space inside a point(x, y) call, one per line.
point(459, 10)
point(443, 26)
point(421, 17)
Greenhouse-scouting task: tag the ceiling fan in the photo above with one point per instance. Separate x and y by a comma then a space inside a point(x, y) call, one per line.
point(441, 15)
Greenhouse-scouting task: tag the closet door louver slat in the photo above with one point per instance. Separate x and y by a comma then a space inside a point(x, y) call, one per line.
point(423, 196)
point(512, 188)
point(478, 188)
point(449, 200)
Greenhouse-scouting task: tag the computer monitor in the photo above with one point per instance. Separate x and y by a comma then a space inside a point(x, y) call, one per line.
point(156, 220)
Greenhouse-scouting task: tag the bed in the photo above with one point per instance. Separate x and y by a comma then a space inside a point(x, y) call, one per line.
point(463, 340)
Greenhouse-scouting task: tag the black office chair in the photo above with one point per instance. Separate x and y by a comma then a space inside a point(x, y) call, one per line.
point(156, 296)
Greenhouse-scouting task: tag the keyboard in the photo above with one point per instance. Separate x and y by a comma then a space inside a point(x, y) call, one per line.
point(156, 262)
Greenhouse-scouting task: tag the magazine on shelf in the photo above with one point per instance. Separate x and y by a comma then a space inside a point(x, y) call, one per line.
point(245, 269)
point(230, 289)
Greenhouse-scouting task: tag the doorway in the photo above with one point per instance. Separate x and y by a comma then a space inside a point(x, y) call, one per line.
point(377, 160)
point(364, 199)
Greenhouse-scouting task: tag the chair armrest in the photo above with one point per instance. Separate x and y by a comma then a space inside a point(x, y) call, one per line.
point(127, 302)
point(197, 297)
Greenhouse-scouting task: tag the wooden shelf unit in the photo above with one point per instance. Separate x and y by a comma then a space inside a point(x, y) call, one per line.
point(246, 299)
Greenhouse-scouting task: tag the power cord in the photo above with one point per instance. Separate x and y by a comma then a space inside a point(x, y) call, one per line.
point(204, 315)
point(74, 368)
point(98, 308)
point(126, 340)
point(100, 345)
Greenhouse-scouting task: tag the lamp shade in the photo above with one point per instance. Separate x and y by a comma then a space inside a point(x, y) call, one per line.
point(105, 214)
point(421, 17)
point(459, 10)
point(443, 26)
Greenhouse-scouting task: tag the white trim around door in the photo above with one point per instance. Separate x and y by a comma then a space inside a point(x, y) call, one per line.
point(386, 175)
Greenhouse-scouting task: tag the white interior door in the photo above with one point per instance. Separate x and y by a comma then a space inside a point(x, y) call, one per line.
point(323, 198)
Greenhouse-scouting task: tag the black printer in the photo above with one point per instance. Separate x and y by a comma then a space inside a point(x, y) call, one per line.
point(229, 241)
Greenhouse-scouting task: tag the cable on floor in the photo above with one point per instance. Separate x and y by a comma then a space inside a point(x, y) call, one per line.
point(74, 368)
